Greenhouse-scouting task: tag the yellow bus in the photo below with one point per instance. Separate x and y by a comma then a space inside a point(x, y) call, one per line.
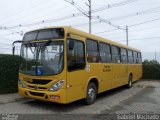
point(63, 64)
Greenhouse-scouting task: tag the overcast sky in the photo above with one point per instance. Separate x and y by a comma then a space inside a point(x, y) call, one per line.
point(142, 36)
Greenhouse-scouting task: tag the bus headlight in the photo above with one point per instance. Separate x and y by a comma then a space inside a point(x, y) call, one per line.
point(57, 85)
point(21, 83)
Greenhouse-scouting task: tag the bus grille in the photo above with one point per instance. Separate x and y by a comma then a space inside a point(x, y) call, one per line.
point(39, 81)
point(37, 88)
point(36, 94)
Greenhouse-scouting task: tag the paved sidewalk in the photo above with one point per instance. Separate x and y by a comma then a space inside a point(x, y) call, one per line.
point(7, 98)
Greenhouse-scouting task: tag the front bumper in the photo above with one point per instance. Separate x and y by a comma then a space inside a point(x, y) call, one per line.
point(57, 97)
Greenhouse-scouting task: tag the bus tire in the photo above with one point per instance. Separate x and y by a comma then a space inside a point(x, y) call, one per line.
point(91, 93)
point(130, 80)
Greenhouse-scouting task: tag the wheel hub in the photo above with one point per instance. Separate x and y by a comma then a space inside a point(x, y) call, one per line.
point(91, 93)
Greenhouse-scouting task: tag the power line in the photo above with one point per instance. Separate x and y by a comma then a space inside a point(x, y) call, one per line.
point(147, 11)
point(98, 17)
point(13, 33)
point(6, 34)
point(77, 14)
point(77, 7)
point(144, 22)
point(42, 22)
point(43, 9)
point(148, 28)
point(106, 31)
point(135, 39)
point(109, 23)
point(133, 25)
point(132, 31)
point(48, 13)
point(27, 9)
point(84, 24)
point(114, 5)
point(118, 27)
point(18, 10)
point(119, 34)
point(89, 15)
point(82, 11)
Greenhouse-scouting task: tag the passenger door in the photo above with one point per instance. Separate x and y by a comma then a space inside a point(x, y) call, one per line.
point(76, 70)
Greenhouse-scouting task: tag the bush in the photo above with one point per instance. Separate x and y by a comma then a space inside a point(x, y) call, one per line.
point(8, 73)
point(151, 69)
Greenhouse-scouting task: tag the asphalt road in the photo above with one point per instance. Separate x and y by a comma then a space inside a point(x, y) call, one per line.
point(142, 98)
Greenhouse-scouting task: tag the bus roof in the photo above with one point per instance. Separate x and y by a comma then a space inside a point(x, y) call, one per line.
point(91, 36)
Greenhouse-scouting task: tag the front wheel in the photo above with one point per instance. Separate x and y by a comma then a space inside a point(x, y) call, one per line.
point(91, 94)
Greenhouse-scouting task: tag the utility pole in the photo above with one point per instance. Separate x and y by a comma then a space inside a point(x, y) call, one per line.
point(127, 35)
point(89, 14)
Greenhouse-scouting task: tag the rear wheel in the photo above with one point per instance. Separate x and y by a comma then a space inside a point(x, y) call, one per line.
point(91, 93)
point(129, 85)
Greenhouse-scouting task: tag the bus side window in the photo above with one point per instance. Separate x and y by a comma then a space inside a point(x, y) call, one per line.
point(139, 58)
point(115, 54)
point(135, 57)
point(123, 55)
point(130, 56)
point(92, 51)
point(105, 52)
point(75, 55)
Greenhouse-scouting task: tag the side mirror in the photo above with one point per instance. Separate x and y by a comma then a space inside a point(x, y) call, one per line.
point(71, 44)
point(13, 47)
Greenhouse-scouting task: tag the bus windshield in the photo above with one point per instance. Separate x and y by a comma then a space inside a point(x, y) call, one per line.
point(42, 58)
point(54, 33)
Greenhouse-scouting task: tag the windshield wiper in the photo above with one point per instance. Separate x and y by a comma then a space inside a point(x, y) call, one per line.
point(40, 48)
point(47, 43)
